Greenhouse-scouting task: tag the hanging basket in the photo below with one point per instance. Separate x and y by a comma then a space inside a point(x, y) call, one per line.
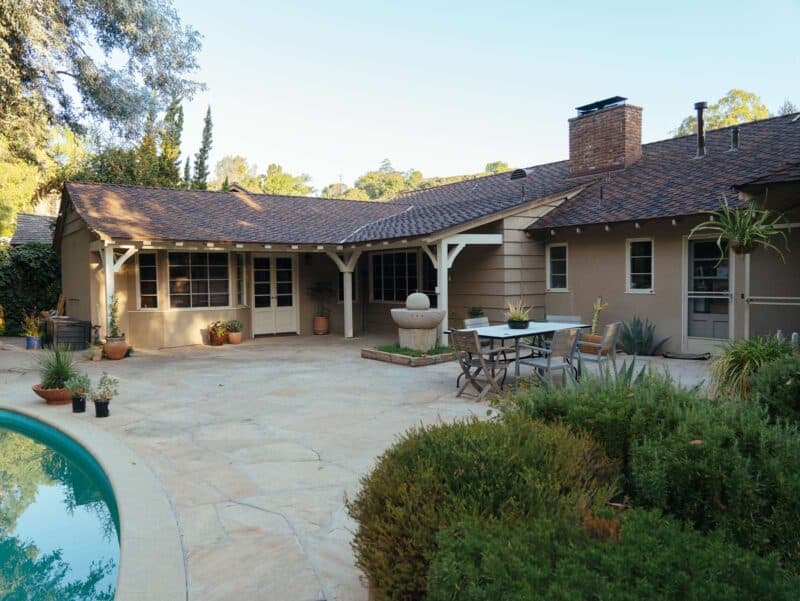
point(742, 249)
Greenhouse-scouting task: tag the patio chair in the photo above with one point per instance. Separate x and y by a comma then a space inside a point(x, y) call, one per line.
point(476, 361)
point(557, 356)
point(606, 348)
point(476, 322)
point(559, 319)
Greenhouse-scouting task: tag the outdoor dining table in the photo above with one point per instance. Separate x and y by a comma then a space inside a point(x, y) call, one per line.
point(535, 328)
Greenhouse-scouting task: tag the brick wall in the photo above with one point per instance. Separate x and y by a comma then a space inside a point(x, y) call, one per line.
point(605, 140)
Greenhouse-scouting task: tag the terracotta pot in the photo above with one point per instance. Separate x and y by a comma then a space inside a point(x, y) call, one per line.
point(322, 324)
point(53, 396)
point(115, 348)
point(234, 337)
point(216, 339)
point(594, 338)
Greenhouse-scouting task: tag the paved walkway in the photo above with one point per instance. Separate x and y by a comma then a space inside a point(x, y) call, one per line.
point(257, 446)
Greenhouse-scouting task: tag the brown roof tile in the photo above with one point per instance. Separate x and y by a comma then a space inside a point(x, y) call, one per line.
point(33, 228)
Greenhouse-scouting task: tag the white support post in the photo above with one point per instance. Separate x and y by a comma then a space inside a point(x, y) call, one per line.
point(346, 266)
point(441, 287)
point(107, 254)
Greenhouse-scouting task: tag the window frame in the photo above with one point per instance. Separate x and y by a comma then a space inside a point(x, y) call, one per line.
point(421, 256)
point(548, 247)
point(234, 260)
point(628, 288)
point(139, 283)
point(208, 308)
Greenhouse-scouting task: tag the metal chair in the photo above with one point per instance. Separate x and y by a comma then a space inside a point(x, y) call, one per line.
point(476, 361)
point(606, 348)
point(545, 340)
point(557, 356)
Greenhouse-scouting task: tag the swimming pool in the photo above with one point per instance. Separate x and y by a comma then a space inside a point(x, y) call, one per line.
point(59, 524)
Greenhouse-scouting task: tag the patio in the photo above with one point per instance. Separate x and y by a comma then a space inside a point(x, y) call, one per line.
point(257, 446)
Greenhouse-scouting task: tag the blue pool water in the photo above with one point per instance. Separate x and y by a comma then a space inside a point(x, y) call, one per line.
point(59, 526)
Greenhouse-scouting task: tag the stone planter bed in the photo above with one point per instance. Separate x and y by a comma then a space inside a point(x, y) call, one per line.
point(400, 359)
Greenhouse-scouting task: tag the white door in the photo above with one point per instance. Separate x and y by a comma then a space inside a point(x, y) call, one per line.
point(708, 297)
point(274, 294)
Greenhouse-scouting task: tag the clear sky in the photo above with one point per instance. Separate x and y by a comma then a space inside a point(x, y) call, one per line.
point(332, 88)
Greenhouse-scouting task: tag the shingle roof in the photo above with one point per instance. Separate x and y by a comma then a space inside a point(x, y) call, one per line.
point(669, 181)
point(33, 228)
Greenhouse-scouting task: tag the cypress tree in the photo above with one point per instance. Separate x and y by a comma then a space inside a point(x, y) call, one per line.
point(169, 159)
point(187, 174)
point(200, 179)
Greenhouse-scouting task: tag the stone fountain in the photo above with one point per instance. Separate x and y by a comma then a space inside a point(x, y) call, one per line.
point(418, 323)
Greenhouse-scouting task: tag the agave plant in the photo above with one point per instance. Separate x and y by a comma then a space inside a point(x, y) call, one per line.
point(744, 229)
point(638, 338)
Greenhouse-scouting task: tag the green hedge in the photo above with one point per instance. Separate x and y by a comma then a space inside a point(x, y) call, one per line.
point(436, 476)
point(777, 386)
point(717, 463)
point(30, 280)
point(655, 558)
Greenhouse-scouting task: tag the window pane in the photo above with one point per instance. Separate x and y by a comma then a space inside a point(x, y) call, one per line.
point(199, 259)
point(262, 289)
point(199, 272)
point(149, 301)
point(147, 260)
point(641, 265)
point(199, 300)
point(558, 267)
point(200, 287)
point(147, 273)
point(642, 281)
point(261, 263)
point(179, 287)
point(218, 259)
point(283, 275)
point(283, 263)
point(147, 288)
point(643, 248)
point(285, 301)
point(558, 252)
point(558, 281)
point(219, 300)
point(218, 286)
point(178, 259)
point(178, 271)
point(178, 301)
point(284, 287)
point(218, 273)
point(262, 301)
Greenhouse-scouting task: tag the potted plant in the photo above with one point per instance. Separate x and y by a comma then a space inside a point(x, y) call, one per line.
point(234, 328)
point(56, 366)
point(115, 347)
point(97, 346)
point(79, 385)
point(216, 333)
point(474, 312)
point(321, 293)
point(518, 315)
point(594, 337)
point(32, 329)
point(102, 395)
point(744, 229)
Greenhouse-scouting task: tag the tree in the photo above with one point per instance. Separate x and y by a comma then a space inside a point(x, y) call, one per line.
point(171, 131)
point(335, 190)
point(788, 108)
point(737, 106)
point(49, 76)
point(187, 174)
point(497, 167)
point(200, 177)
point(236, 169)
point(277, 181)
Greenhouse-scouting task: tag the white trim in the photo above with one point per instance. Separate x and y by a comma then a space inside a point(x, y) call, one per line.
point(628, 289)
point(475, 239)
point(341, 290)
point(138, 284)
point(547, 266)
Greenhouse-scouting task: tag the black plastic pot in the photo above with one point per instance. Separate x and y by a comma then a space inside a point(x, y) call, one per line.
point(79, 404)
point(518, 324)
point(101, 408)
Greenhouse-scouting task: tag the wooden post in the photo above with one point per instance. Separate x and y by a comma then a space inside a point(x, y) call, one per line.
point(441, 288)
point(347, 282)
point(108, 271)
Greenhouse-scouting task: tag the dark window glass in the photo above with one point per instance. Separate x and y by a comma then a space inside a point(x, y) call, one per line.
point(198, 279)
point(641, 265)
point(148, 281)
point(558, 267)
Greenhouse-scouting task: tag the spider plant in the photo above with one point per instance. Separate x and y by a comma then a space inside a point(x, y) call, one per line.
point(740, 359)
point(744, 228)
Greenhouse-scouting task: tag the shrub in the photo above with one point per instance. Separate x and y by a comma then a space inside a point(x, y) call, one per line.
point(655, 558)
point(30, 280)
point(741, 358)
point(717, 463)
point(56, 366)
point(434, 477)
point(638, 338)
point(777, 386)
point(234, 325)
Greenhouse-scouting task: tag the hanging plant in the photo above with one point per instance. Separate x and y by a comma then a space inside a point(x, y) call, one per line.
point(744, 229)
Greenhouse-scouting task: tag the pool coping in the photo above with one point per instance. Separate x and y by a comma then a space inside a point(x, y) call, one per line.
point(151, 564)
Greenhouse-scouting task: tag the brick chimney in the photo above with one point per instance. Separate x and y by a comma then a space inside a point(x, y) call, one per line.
point(605, 136)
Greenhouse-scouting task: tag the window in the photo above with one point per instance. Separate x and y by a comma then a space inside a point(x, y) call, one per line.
point(198, 280)
point(557, 267)
point(429, 279)
point(341, 286)
point(394, 275)
point(640, 266)
point(148, 281)
point(240, 280)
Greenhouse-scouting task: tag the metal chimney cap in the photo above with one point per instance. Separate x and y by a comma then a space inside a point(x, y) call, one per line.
point(700, 105)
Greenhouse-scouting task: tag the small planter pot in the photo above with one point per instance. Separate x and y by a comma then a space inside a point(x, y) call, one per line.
point(216, 339)
point(53, 396)
point(79, 404)
point(518, 324)
point(97, 353)
point(33, 342)
point(742, 249)
point(101, 408)
point(322, 325)
point(115, 348)
point(234, 337)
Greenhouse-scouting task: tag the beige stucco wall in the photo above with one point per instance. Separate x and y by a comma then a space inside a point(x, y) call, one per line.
point(77, 268)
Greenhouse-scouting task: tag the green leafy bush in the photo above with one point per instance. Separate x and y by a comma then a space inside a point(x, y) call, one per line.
point(434, 477)
point(731, 371)
point(638, 338)
point(717, 463)
point(777, 386)
point(30, 281)
point(655, 558)
point(56, 367)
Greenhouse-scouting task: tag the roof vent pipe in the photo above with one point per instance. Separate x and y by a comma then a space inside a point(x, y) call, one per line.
point(701, 133)
point(734, 137)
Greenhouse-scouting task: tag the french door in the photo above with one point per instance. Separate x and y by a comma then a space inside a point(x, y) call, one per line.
point(274, 294)
point(708, 296)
